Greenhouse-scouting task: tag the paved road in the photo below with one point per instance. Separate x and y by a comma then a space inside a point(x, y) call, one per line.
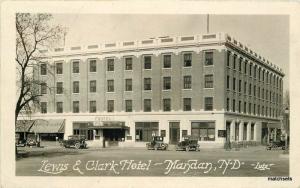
point(54, 161)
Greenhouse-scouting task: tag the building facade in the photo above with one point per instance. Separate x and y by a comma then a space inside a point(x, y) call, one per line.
point(209, 86)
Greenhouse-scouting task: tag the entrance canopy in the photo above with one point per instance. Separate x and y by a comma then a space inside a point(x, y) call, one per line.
point(110, 125)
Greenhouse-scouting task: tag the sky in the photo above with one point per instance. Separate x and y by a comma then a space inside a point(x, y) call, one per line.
point(268, 35)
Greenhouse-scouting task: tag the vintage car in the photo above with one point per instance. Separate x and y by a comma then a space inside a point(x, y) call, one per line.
point(21, 143)
point(33, 142)
point(77, 141)
point(276, 145)
point(157, 143)
point(188, 144)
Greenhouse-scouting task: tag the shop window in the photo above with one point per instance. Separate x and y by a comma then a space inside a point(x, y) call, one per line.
point(83, 129)
point(204, 131)
point(167, 61)
point(145, 130)
point(128, 63)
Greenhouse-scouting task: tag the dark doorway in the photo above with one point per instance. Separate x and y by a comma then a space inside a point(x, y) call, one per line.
point(264, 134)
point(113, 136)
point(228, 131)
point(174, 132)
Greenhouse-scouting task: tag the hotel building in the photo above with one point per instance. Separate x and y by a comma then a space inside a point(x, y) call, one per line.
point(209, 86)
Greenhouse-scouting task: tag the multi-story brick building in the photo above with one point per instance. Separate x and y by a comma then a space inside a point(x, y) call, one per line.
point(125, 92)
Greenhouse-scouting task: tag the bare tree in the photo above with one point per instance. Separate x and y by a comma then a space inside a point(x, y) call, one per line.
point(35, 34)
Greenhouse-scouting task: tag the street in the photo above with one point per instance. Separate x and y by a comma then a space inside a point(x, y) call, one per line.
point(56, 161)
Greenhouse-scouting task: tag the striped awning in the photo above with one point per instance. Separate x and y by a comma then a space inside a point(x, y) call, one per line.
point(24, 125)
point(48, 126)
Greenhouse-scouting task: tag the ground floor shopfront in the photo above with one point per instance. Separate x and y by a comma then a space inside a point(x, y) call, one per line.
point(211, 129)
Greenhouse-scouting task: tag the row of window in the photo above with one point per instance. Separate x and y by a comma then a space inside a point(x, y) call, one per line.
point(253, 70)
point(110, 62)
point(252, 108)
point(187, 84)
point(187, 105)
point(257, 91)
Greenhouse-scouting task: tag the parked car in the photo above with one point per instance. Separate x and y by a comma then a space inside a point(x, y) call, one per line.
point(188, 144)
point(157, 143)
point(33, 142)
point(276, 145)
point(21, 143)
point(77, 141)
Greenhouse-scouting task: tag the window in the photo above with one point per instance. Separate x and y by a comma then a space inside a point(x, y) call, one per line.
point(209, 58)
point(233, 84)
point(240, 103)
point(128, 105)
point(228, 82)
point(147, 83)
point(227, 104)
point(187, 82)
point(204, 131)
point(187, 60)
point(59, 87)
point(82, 128)
point(93, 107)
point(147, 62)
point(240, 64)
point(263, 75)
point(145, 130)
point(209, 81)
point(147, 105)
point(110, 64)
point(167, 104)
point(93, 86)
point(43, 107)
point(245, 67)
point(110, 86)
point(258, 109)
point(245, 132)
point(110, 105)
point(252, 131)
point(250, 69)
point(259, 73)
point(43, 69)
point(128, 63)
point(59, 107)
point(167, 83)
point(234, 61)
point(258, 94)
point(75, 66)
point(233, 105)
point(75, 106)
point(128, 85)
point(43, 88)
point(254, 71)
point(167, 61)
point(59, 68)
point(187, 104)
point(250, 110)
point(250, 87)
point(254, 109)
point(208, 101)
point(93, 65)
point(245, 87)
point(76, 87)
point(228, 58)
point(263, 93)
point(240, 85)
point(245, 107)
point(254, 91)
point(237, 131)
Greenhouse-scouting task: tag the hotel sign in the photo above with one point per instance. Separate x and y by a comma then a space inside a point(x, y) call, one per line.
point(99, 120)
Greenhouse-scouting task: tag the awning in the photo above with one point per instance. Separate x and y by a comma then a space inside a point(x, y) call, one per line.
point(274, 125)
point(110, 125)
point(24, 125)
point(48, 126)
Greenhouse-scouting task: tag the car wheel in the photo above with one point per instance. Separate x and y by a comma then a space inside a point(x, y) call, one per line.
point(77, 145)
